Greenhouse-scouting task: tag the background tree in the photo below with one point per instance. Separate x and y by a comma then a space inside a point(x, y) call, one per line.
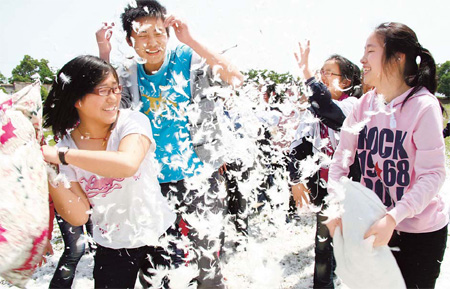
point(44, 93)
point(274, 82)
point(270, 76)
point(29, 67)
point(2, 78)
point(443, 74)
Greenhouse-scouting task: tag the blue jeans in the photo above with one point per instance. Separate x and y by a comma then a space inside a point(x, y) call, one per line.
point(74, 249)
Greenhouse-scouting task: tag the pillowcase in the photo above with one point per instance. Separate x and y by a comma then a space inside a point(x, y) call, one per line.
point(24, 206)
point(358, 263)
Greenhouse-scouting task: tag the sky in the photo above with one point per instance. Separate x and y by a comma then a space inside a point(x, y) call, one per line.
point(266, 32)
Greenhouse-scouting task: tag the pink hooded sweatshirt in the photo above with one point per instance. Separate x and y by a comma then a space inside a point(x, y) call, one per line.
point(401, 153)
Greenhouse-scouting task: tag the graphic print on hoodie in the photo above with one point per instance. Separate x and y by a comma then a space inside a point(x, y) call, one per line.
point(392, 170)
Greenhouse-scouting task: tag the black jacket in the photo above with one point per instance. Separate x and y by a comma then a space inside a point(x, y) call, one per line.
point(323, 107)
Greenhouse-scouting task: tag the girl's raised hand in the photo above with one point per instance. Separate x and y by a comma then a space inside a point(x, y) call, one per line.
point(302, 56)
point(103, 36)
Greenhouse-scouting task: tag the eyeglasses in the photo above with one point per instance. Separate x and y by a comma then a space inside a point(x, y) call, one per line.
point(328, 73)
point(105, 91)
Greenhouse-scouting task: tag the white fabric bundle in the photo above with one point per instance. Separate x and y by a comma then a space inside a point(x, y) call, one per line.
point(359, 264)
point(24, 207)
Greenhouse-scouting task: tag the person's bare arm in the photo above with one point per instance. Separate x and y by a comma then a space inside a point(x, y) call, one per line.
point(218, 63)
point(112, 164)
point(71, 203)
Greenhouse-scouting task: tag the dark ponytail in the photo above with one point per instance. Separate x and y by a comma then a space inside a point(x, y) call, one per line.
point(426, 74)
point(356, 86)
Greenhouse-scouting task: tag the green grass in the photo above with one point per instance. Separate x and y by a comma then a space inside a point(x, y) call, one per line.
point(446, 103)
point(48, 132)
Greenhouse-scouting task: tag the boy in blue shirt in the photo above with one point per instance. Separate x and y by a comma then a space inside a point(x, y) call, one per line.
point(163, 87)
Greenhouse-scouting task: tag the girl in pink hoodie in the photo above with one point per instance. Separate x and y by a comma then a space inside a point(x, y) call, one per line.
point(396, 132)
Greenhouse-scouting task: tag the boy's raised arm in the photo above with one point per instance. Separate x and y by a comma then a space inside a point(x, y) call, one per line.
point(218, 63)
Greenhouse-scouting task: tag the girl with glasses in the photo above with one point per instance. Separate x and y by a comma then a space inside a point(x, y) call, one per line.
point(331, 99)
point(106, 156)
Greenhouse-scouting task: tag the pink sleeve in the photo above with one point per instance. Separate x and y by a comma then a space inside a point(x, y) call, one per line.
point(429, 165)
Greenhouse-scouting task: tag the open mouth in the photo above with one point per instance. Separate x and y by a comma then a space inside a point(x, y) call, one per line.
point(114, 108)
point(149, 51)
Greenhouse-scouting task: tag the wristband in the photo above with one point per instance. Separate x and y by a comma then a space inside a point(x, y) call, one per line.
point(62, 151)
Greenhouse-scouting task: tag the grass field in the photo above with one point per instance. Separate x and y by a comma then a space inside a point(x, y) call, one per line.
point(446, 103)
point(47, 133)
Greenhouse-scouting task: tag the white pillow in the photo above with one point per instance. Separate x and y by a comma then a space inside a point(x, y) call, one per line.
point(24, 207)
point(358, 263)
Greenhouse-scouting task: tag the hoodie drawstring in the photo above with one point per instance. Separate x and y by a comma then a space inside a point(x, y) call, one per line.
point(393, 122)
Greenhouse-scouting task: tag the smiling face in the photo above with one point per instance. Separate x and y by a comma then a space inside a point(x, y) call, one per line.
point(98, 108)
point(149, 40)
point(372, 60)
point(330, 75)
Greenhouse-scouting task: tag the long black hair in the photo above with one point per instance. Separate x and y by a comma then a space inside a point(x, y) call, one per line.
point(77, 78)
point(351, 72)
point(399, 38)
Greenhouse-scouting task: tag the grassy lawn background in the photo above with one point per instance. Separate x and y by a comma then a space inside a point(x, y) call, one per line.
point(47, 133)
point(446, 103)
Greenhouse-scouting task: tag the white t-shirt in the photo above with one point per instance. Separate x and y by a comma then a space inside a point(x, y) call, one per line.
point(126, 212)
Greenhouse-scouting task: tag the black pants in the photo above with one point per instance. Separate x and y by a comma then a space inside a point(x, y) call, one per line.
point(325, 264)
point(74, 248)
point(118, 268)
point(236, 202)
point(173, 255)
point(420, 256)
point(188, 202)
